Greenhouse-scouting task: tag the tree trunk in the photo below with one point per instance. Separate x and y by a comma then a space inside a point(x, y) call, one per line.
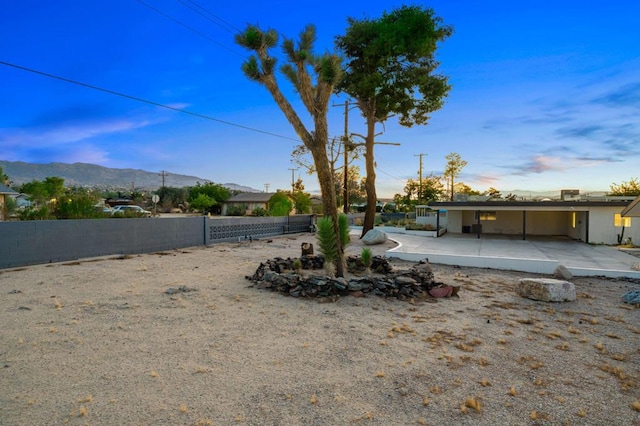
point(329, 205)
point(370, 182)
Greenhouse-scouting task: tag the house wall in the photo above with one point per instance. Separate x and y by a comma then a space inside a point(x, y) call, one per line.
point(2, 206)
point(602, 229)
point(577, 225)
point(454, 221)
point(546, 223)
point(507, 222)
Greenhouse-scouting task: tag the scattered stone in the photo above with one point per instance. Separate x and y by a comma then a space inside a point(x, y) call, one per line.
point(278, 275)
point(374, 236)
point(546, 289)
point(562, 273)
point(15, 291)
point(632, 297)
point(181, 289)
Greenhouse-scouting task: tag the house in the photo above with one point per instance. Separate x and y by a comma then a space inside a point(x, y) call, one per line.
point(248, 202)
point(22, 200)
point(629, 213)
point(5, 191)
point(596, 220)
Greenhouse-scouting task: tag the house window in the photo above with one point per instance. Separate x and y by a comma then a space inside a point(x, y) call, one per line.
point(486, 215)
point(621, 221)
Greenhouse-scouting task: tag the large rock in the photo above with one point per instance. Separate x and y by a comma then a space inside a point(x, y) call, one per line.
point(546, 289)
point(374, 236)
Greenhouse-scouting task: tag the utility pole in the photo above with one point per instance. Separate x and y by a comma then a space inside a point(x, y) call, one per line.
point(345, 144)
point(164, 175)
point(420, 174)
point(292, 181)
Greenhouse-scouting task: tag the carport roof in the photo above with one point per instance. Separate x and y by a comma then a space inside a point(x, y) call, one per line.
point(526, 205)
point(632, 209)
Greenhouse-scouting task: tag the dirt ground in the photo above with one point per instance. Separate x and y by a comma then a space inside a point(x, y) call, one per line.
point(100, 342)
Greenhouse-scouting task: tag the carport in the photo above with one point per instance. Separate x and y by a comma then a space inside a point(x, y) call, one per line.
point(589, 221)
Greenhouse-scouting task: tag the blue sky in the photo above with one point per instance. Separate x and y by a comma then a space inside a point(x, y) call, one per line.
point(546, 95)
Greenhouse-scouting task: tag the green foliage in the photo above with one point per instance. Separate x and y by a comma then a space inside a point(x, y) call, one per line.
point(36, 213)
point(79, 205)
point(366, 255)
point(302, 202)
point(343, 223)
point(259, 211)
point(455, 164)
point(172, 197)
point(280, 204)
point(327, 241)
point(218, 193)
point(202, 202)
point(236, 211)
point(630, 188)
point(392, 60)
point(44, 191)
point(4, 178)
point(10, 205)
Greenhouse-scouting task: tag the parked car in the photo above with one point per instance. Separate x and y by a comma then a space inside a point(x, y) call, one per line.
point(131, 210)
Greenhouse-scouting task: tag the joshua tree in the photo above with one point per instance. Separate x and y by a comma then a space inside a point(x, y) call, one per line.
point(314, 78)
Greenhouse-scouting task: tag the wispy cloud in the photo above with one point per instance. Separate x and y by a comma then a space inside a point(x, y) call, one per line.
point(538, 164)
point(66, 133)
point(623, 96)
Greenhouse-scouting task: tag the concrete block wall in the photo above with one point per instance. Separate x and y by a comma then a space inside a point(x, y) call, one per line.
point(48, 241)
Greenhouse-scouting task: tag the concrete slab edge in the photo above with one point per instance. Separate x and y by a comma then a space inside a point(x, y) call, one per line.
point(535, 266)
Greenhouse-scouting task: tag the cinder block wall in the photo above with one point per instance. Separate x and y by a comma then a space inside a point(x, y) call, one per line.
point(47, 241)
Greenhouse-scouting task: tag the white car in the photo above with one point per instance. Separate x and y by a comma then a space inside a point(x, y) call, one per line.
point(135, 210)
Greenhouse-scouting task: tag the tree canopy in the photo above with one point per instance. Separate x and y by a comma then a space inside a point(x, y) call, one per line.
point(632, 187)
point(390, 70)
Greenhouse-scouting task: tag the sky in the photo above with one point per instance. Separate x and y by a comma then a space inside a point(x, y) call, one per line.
point(545, 95)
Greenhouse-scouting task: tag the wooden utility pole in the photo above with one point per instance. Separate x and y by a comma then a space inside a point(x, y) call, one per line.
point(420, 174)
point(345, 144)
point(164, 175)
point(292, 180)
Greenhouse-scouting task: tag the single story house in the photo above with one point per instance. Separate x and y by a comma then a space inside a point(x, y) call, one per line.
point(596, 221)
point(5, 191)
point(249, 201)
point(22, 200)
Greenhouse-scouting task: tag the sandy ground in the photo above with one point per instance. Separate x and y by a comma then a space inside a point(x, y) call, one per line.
point(100, 342)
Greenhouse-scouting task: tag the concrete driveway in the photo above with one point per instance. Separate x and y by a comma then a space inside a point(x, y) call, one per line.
point(535, 254)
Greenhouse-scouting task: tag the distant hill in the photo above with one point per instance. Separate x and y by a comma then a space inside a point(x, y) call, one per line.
point(94, 176)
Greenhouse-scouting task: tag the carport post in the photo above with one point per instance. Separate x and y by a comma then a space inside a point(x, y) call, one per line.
point(524, 224)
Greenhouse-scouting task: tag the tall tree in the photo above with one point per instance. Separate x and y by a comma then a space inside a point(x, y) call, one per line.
point(390, 71)
point(455, 164)
point(626, 188)
point(314, 77)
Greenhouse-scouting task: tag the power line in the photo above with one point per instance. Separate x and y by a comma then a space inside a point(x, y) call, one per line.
point(190, 28)
point(210, 16)
point(135, 98)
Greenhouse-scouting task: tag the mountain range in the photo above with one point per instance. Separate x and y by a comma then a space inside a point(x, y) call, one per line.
point(94, 176)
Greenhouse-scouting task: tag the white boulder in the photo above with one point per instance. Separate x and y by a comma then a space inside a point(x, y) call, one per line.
point(546, 289)
point(374, 236)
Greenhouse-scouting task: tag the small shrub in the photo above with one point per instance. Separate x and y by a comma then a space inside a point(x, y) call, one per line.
point(259, 211)
point(327, 240)
point(367, 257)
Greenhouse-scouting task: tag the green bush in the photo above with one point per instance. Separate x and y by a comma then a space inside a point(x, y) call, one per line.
point(280, 204)
point(259, 211)
point(327, 243)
